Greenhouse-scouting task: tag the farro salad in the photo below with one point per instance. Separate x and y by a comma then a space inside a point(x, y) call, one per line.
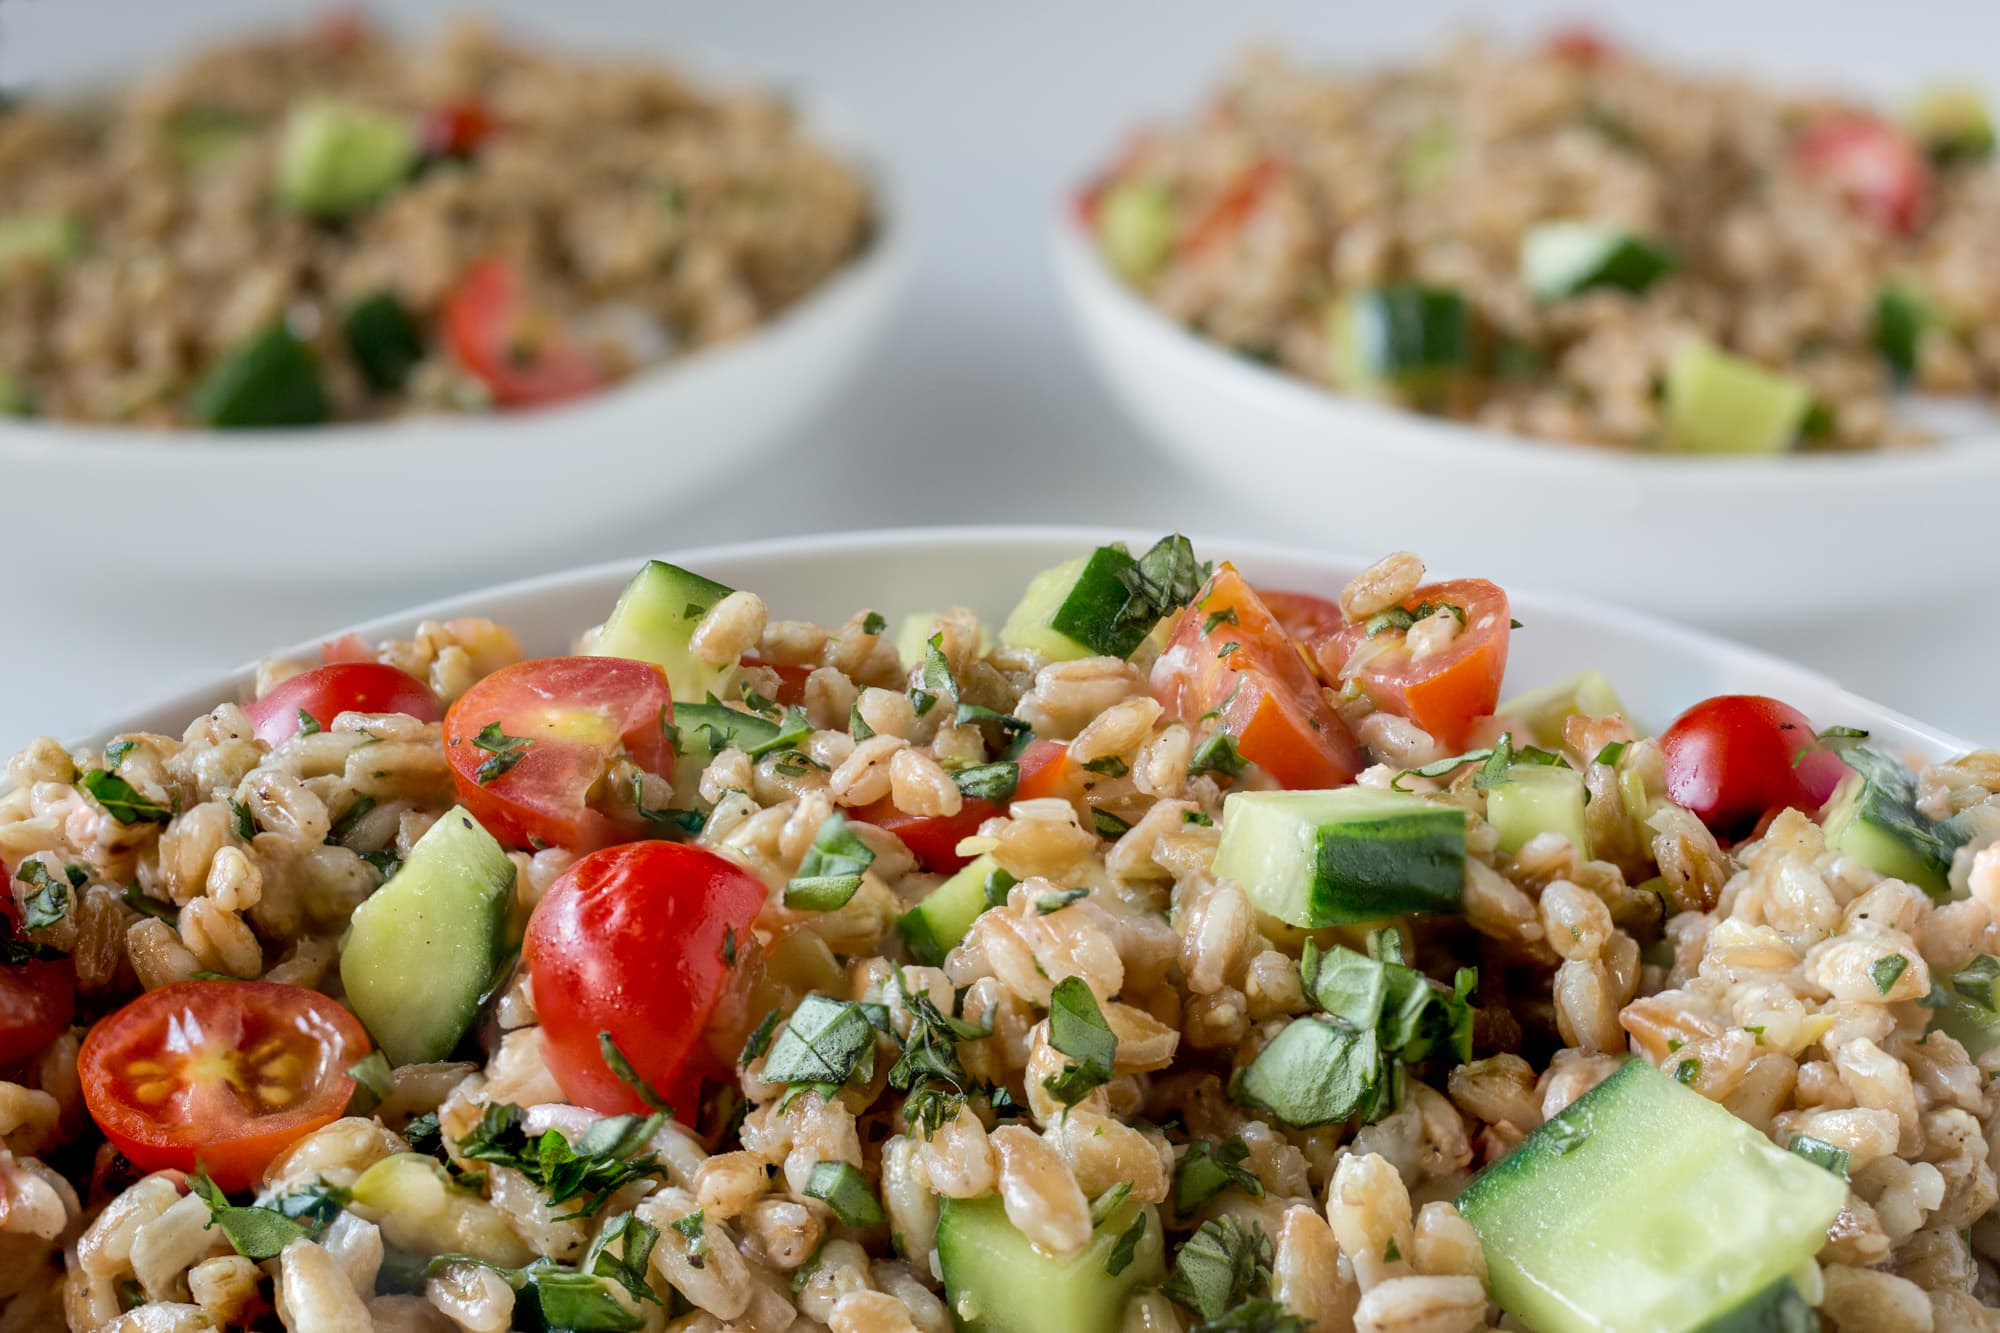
point(341, 224)
point(1185, 955)
point(1575, 243)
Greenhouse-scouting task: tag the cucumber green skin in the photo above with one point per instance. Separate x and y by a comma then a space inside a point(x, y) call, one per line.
point(338, 158)
point(1400, 337)
point(1668, 1213)
point(1586, 694)
point(1874, 818)
point(1560, 259)
point(1089, 614)
point(934, 926)
point(422, 950)
point(272, 380)
point(1722, 404)
point(1538, 799)
point(1901, 315)
point(1135, 228)
point(995, 1281)
point(1330, 858)
point(1777, 1309)
point(653, 622)
point(383, 340)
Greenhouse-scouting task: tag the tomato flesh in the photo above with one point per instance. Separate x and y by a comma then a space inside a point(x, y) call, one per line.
point(1445, 692)
point(1230, 655)
point(1580, 45)
point(791, 678)
point(456, 128)
point(1877, 166)
point(223, 1074)
point(1737, 758)
point(522, 353)
point(639, 941)
point(934, 839)
point(1226, 216)
point(575, 715)
point(37, 1001)
point(1306, 616)
point(324, 693)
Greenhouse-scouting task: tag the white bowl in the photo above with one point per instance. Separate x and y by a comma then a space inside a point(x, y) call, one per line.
point(1658, 668)
point(1730, 540)
point(364, 503)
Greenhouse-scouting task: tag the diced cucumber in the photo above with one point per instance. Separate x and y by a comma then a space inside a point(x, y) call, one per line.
point(272, 380)
point(913, 636)
point(996, 1281)
point(1072, 611)
point(1644, 1205)
point(337, 158)
point(1428, 157)
point(1873, 817)
point(421, 1211)
point(654, 621)
point(1902, 312)
point(201, 137)
point(1539, 798)
point(1586, 694)
point(1970, 1013)
point(1560, 259)
point(935, 926)
point(1722, 404)
point(1953, 124)
point(383, 340)
point(14, 399)
point(1329, 858)
point(1777, 1309)
point(1399, 338)
point(420, 952)
point(48, 238)
point(1135, 228)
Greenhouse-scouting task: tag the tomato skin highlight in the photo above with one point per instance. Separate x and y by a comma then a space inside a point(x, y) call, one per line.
point(1230, 653)
point(456, 128)
point(1876, 165)
point(1237, 205)
point(324, 693)
point(1447, 692)
point(1736, 758)
point(37, 1002)
point(164, 1077)
point(635, 941)
point(933, 839)
point(521, 353)
point(577, 713)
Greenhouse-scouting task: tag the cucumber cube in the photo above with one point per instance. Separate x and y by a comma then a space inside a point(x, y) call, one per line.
point(1560, 259)
point(1723, 404)
point(1329, 858)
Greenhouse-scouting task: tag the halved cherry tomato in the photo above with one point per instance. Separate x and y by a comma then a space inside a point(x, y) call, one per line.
point(226, 1074)
point(1579, 44)
point(324, 693)
point(638, 941)
point(934, 839)
point(791, 678)
point(347, 648)
point(523, 354)
point(1306, 616)
point(1444, 692)
point(1736, 758)
point(530, 745)
point(1227, 214)
point(37, 1001)
point(1230, 658)
point(456, 128)
point(1877, 166)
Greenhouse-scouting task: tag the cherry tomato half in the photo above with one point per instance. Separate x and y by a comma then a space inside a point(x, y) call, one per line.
point(522, 353)
point(324, 693)
point(1226, 216)
point(1737, 757)
point(639, 941)
point(1877, 166)
point(1445, 692)
point(934, 839)
point(531, 744)
point(791, 679)
point(226, 1074)
point(1579, 44)
point(1229, 655)
point(456, 128)
point(1306, 616)
point(37, 1001)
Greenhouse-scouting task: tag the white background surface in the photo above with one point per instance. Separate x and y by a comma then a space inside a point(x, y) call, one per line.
point(976, 408)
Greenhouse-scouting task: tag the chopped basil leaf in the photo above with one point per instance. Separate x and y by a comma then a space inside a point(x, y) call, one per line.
point(1109, 1202)
point(372, 1072)
point(1226, 616)
point(114, 753)
point(1166, 578)
point(922, 701)
point(936, 675)
point(998, 884)
point(873, 624)
point(794, 728)
point(1055, 902)
point(262, 1232)
point(845, 1190)
point(609, 1155)
point(1110, 765)
point(1257, 1315)
point(1218, 754)
point(1886, 970)
point(680, 823)
point(246, 827)
point(505, 751)
point(308, 724)
point(1687, 1071)
point(47, 901)
point(1078, 1030)
point(1399, 618)
point(137, 899)
point(1227, 648)
point(757, 703)
point(694, 1230)
point(121, 800)
point(990, 782)
point(1221, 1264)
point(621, 1068)
point(832, 869)
point(355, 814)
point(634, 1239)
point(825, 1043)
point(857, 728)
point(1126, 1247)
point(1316, 1071)
point(760, 1038)
point(424, 1135)
point(930, 1052)
point(1821, 1153)
point(1206, 1170)
point(1976, 982)
point(1843, 734)
point(1612, 753)
point(1198, 817)
point(1108, 825)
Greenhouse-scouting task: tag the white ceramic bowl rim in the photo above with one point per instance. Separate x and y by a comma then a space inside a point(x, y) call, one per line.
point(172, 712)
point(1277, 391)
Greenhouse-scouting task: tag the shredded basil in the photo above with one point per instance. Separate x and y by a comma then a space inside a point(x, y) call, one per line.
point(1206, 1170)
point(504, 752)
point(621, 1068)
point(832, 869)
point(844, 1189)
point(1055, 902)
point(826, 1043)
point(1218, 754)
point(121, 800)
point(990, 782)
point(1077, 1029)
point(1219, 1266)
point(1887, 970)
point(263, 1231)
point(760, 1038)
point(1108, 825)
point(1110, 765)
point(610, 1154)
point(856, 727)
point(1126, 1248)
point(794, 729)
point(372, 1072)
point(1612, 753)
point(48, 899)
point(1821, 1153)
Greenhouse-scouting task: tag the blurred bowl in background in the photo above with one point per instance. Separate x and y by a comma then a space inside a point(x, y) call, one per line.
point(1721, 540)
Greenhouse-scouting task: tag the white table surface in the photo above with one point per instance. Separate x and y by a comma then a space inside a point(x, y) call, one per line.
point(977, 407)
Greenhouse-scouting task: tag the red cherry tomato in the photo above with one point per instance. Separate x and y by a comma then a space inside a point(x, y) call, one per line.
point(1580, 45)
point(346, 648)
point(1226, 216)
point(1445, 692)
point(324, 693)
point(456, 128)
point(934, 839)
point(523, 354)
point(1877, 166)
point(530, 745)
point(37, 1001)
point(791, 679)
point(1736, 758)
point(1230, 654)
point(224, 1073)
point(637, 941)
point(1306, 616)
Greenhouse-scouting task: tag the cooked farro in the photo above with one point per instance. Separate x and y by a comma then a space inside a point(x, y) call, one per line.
point(344, 224)
point(1556, 241)
point(1001, 1032)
